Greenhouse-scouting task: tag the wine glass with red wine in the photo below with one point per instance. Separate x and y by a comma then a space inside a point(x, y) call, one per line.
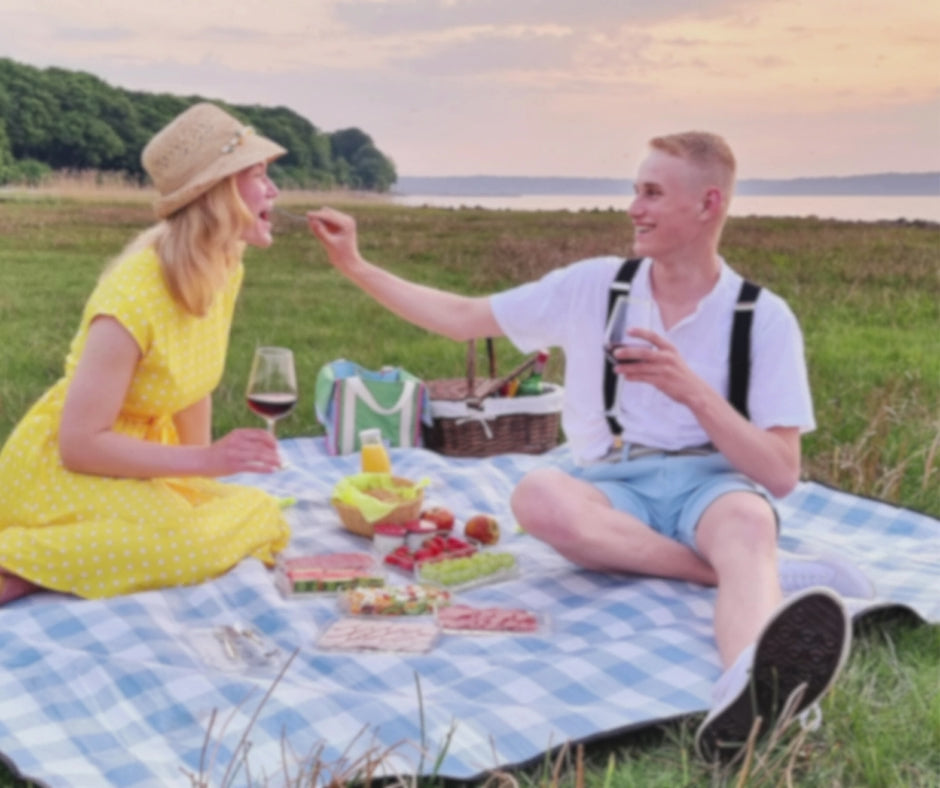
point(272, 384)
point(628, 312)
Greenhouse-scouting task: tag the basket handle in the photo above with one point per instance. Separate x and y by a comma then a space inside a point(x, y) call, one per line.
point(472, 363)
point(494, 384)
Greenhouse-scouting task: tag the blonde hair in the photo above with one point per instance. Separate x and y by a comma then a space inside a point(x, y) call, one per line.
point(198, 246)
point(708, 152)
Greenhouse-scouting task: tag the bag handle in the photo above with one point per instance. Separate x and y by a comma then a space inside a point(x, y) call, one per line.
point(356, 389)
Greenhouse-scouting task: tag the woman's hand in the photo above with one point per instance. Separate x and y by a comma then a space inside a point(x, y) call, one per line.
point(244, 450)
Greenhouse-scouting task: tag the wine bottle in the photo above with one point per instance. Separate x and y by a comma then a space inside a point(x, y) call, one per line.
point(533, 384)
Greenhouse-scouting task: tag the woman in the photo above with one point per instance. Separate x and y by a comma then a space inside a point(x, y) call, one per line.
point(105, 485)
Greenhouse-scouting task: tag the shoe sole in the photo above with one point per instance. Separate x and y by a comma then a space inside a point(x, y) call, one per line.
point(806, 642)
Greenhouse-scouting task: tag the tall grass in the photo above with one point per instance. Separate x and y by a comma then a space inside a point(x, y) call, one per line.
point(867, 296)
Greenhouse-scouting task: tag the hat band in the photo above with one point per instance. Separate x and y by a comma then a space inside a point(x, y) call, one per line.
point(237, 139)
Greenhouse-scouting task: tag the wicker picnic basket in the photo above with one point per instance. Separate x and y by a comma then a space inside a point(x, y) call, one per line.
point(469, 420)
point(353, 519)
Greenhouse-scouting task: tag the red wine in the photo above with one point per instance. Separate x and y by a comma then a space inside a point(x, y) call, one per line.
point(609, 349)
point(273, 405)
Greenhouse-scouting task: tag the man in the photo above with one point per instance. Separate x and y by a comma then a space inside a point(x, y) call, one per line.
point(685, 492)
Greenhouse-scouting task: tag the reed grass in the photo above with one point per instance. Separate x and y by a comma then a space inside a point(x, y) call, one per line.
point(867, 296)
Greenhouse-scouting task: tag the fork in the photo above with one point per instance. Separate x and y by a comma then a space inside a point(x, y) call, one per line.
point(296, 218)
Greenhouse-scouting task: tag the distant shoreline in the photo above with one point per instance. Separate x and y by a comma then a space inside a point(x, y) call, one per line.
point(915, 208)
point(921, 184)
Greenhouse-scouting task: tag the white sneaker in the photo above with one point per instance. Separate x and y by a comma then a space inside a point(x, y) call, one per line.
point(795, 660)
point(830, 571)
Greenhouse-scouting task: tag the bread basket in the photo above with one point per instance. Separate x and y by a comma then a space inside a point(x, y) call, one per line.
point(366, 499)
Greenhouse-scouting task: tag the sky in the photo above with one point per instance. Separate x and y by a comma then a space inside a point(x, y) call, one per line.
point(799, 88)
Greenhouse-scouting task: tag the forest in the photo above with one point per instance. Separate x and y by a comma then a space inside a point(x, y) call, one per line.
point(54, 119)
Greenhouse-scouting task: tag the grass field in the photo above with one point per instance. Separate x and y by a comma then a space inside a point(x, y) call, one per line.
point(867, 296)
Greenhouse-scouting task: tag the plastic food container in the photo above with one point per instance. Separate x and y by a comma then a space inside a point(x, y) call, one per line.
point(407, 600)
point(434, 547)
point(467, 620)
point(458, 574)
point(234, 648)
point(359, 633)
point(416, 531)
point(387, 537)
point(327, 573)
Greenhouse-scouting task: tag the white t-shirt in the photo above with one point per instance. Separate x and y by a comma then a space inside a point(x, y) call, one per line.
point(567, 308)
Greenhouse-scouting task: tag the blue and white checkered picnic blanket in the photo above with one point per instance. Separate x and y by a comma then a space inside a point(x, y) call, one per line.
point(114, 692)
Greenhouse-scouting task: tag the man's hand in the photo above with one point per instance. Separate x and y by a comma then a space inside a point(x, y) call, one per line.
point(660, 365)
point(771, 457)
point(337, 232)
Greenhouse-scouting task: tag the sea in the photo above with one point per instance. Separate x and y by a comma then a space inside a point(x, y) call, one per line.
point(862, 208)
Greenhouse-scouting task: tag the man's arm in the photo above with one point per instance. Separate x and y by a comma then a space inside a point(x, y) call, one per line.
point(454, 316)
point(771, 457)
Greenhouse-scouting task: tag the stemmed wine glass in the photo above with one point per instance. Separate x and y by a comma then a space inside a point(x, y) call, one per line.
point(272, 384)
point(628, 312)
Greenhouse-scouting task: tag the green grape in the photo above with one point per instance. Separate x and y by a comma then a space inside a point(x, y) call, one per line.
point(466, 569)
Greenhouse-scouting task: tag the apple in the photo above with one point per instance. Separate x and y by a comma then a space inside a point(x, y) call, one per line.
point(441, 516)
point(483, 528)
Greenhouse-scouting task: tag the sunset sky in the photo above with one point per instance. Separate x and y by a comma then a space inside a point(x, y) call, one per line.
point(535, 87)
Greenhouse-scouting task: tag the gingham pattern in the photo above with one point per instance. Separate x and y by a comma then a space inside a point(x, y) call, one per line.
point(113, 693)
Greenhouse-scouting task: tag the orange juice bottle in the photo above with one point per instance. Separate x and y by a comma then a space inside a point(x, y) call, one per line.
point(373, 456)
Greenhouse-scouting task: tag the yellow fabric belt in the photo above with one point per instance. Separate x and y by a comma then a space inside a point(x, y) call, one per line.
point(158, 428)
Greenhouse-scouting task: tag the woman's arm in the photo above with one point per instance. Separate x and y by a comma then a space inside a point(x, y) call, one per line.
point(194, 425)
point(88, 443)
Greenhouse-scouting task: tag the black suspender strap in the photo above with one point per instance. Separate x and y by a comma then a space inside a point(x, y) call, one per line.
point(619, 287)
point(739, 361)
point(740, 364)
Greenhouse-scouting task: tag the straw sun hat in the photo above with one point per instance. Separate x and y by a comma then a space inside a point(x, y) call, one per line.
point(196, 150)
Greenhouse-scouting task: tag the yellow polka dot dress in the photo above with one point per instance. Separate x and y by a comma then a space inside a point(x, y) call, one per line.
point(99, 536)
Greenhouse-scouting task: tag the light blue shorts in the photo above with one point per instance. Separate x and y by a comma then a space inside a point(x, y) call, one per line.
point(669, 493)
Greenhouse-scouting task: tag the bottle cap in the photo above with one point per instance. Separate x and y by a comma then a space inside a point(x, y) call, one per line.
point(540, 360)
point(370, 436)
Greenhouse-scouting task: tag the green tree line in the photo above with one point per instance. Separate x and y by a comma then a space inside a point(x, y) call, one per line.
point(55, 119)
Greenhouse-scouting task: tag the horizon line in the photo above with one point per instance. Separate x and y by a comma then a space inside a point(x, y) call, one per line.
point(881, 174)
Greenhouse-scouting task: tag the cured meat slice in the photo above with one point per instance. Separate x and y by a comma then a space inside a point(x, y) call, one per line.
point(487, 619)
point(367, 634)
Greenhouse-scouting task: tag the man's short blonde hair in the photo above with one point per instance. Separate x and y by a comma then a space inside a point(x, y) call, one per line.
point(708, 152)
